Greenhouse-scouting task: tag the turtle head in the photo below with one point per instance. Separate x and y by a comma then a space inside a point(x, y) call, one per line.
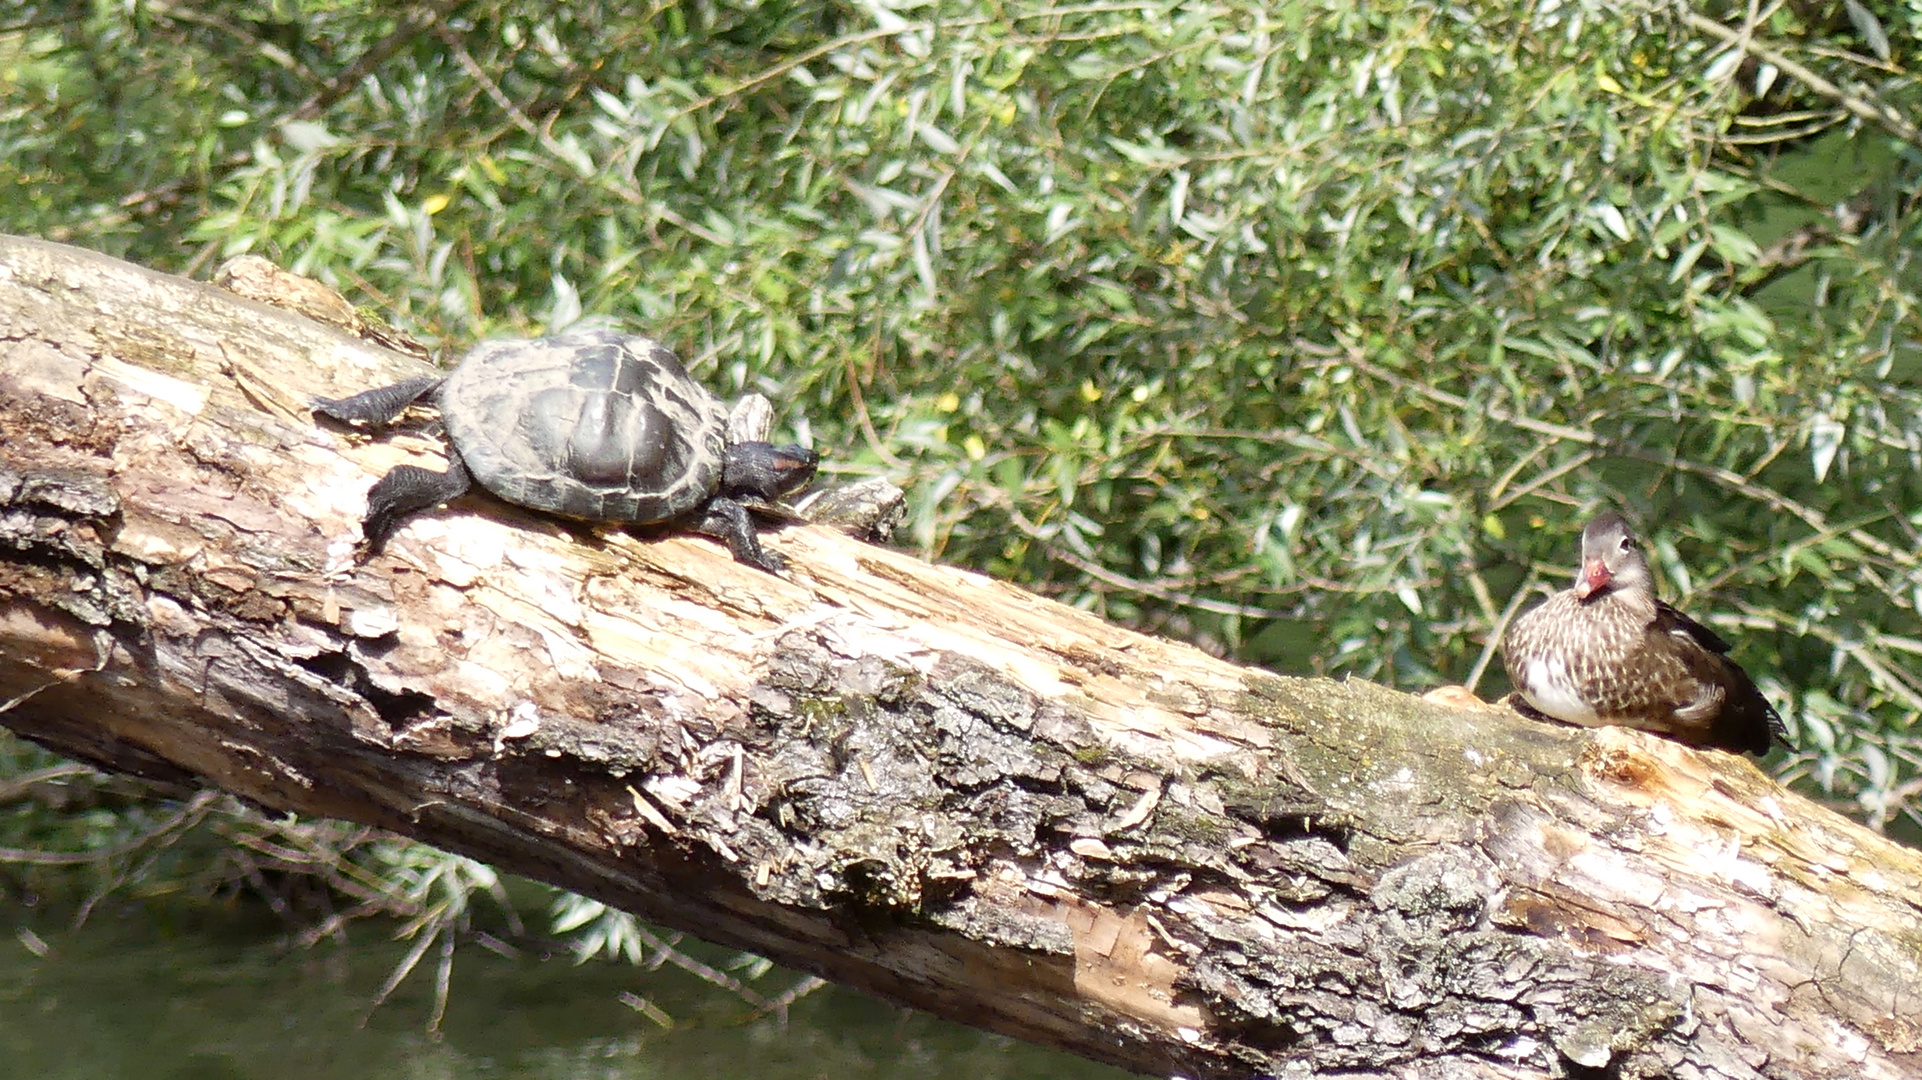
point(767, 470)
point(1611, 558)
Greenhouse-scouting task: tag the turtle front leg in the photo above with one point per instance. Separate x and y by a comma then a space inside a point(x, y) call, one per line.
point(379, 405)
point(404, 492)
point(729, 522)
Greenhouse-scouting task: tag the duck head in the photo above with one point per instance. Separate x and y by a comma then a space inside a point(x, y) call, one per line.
point(1611, 558)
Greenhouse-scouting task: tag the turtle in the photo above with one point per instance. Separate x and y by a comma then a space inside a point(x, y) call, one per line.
point(593, 425)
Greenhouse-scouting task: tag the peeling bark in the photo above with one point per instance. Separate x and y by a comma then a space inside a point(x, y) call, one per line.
point(906, 778)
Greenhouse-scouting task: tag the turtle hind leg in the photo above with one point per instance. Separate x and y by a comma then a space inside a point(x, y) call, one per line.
point(404, 492)
point(729, 521)
point(379, 405)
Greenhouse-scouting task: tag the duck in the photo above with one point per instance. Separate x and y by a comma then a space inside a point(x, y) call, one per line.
point(1610, 652)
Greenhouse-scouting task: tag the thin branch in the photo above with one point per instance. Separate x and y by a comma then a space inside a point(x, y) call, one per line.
point(225, 23)
point(626, 192)
point(193, 811)
point(1494, 641)
point(412, 25)
point(1493, 412)
point(76, 14)
point(1769, 497)
point(1880, 674)
point(1880, 115)
point(861, 416)
point(21, 786)
point(1121, 581)
point(400, 972)
point(443, 980)
point(777, 1006)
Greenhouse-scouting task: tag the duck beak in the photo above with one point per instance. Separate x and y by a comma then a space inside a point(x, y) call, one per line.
point(1595, 576)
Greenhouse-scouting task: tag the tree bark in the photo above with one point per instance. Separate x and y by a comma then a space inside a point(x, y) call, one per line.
point(910, 779)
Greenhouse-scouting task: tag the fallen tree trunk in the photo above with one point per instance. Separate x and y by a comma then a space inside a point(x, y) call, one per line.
point(906, 778)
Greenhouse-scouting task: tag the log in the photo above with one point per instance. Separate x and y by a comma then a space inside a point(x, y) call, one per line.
point(907, 778)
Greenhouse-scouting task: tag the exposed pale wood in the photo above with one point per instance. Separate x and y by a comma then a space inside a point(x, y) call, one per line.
point(904, 777)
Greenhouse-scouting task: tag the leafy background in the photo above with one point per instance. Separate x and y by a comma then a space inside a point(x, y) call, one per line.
point(1307, 332)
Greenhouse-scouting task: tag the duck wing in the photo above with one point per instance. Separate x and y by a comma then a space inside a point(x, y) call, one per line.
point(1670, 621)
point(1746, 722)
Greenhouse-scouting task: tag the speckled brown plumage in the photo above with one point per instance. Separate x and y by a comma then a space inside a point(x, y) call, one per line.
point(1608, 652)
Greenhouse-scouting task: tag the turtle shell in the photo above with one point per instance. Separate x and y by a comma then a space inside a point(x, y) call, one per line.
point(594, 424)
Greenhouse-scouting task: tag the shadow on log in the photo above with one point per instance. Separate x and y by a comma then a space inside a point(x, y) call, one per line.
point(913, 780)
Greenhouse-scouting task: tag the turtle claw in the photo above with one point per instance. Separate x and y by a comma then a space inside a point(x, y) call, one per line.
point(728, 521)
point(404, 491)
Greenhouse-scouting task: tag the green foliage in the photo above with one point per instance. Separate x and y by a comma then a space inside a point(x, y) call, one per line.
point(1309, 333)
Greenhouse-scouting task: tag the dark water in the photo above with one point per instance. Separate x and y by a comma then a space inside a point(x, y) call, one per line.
point(132, 998)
